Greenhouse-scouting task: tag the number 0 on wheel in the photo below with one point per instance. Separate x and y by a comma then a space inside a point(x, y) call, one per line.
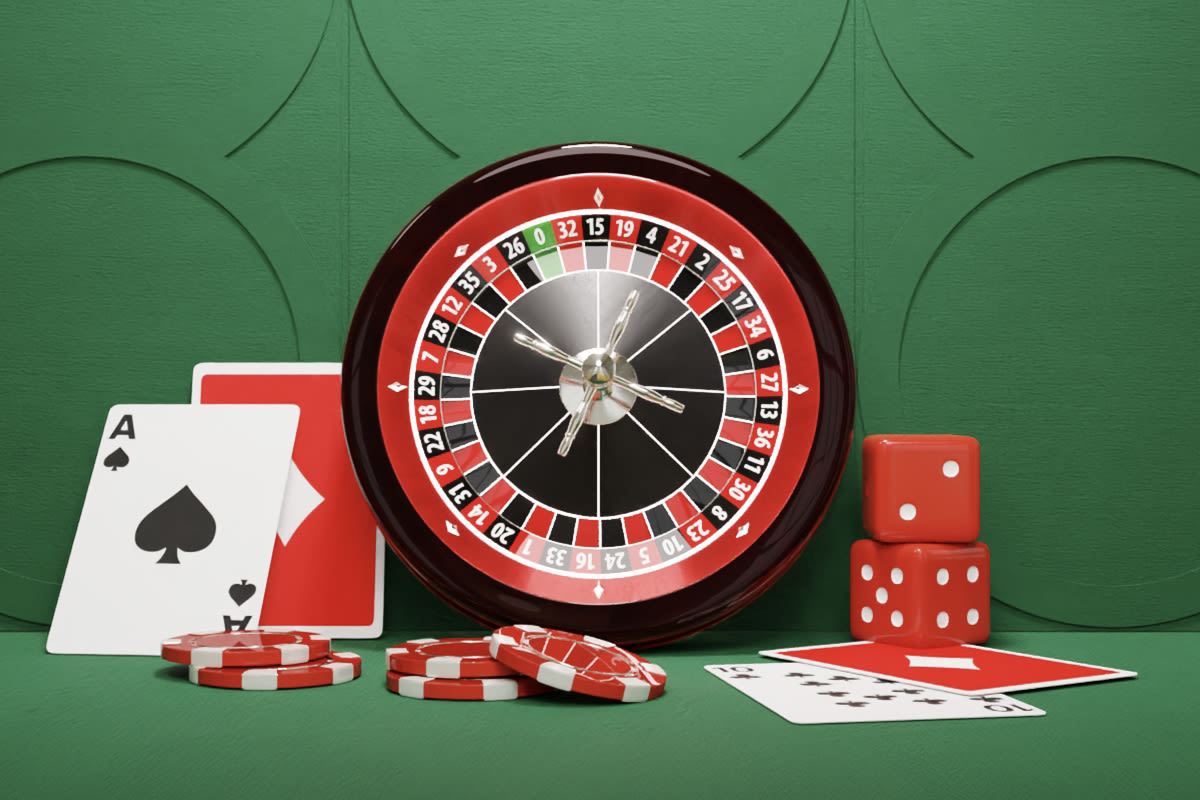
point(601, 388)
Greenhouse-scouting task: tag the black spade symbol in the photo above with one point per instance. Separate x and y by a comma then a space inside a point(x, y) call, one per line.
point(241, 592)
point(181, 522)
point(116, 459)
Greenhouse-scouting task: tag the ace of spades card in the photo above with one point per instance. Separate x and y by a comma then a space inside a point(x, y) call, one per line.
point(177, 526)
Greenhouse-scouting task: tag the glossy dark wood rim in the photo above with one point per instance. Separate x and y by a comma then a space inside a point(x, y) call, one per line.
point(658, 620)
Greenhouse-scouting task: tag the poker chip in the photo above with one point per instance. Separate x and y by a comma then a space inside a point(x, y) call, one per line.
point(325, 671)
point(422, 687)
point(253, 648)
point(446, 658)
point(575, 662)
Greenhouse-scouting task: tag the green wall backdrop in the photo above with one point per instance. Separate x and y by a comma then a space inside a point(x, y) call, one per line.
point(1005, 196)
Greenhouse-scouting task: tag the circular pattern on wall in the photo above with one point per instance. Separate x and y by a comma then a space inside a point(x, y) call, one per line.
point(217, 71)
point(985, 73)
point(710, 84)
point(212, 232)
point(1058, 349)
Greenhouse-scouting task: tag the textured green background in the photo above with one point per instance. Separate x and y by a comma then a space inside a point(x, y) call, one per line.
point(1003, 194)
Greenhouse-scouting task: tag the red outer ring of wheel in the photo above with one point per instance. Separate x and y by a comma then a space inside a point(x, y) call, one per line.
point(692, 607)
point(424, 288)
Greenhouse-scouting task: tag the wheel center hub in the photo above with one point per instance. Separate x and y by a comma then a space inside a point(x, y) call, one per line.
point(612, 401)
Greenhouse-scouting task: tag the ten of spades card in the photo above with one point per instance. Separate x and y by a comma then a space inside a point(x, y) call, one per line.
point(327, 564)
point(807, 694)
point(177, 526)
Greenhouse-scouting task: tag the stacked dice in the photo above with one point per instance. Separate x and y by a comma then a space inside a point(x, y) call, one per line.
point(921, 580)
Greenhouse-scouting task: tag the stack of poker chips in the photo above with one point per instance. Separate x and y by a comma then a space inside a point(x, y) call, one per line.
point(259, 659)
point(520, 661)
point(515, 661)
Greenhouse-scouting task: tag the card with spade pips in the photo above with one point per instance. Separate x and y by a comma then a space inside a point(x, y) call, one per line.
point(177, 526)
point(807, 694)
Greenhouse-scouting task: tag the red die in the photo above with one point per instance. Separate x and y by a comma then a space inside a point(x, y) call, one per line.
point(921, 488)
point(919, 595)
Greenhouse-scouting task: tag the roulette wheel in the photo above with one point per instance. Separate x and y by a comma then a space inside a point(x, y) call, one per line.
point(598, 387)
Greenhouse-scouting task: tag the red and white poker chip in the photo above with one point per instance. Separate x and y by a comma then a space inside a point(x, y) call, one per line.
point(252, 648)
point(447, 658)
point(325, 671)
point(575, 662)
point(425, 688)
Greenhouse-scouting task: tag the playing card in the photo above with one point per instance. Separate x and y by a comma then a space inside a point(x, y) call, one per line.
point(811, 695)
point(962, 668)
point(176, 528)
point(327, 564)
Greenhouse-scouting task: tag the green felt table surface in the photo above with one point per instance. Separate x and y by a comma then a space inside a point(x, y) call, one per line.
point(94, 726)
